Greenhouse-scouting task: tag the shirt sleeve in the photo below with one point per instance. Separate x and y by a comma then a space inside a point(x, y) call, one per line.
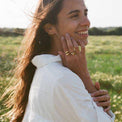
point(112, 115)
point(72, 101)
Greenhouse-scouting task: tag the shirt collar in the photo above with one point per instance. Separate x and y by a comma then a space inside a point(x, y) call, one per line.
point(44, 59)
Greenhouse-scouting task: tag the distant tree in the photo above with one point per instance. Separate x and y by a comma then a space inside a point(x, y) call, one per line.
point(95, 31)
point(105, 31)
point(118, 31)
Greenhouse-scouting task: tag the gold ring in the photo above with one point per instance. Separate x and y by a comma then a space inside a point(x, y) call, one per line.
point(67, 53)
point(73, 53)
point(74, 49)
point(79, 48)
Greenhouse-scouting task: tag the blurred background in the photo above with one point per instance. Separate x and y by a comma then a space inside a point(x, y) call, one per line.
point(104, 51)
point(102, 13)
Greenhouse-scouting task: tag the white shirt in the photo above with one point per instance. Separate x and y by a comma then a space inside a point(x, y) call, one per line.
point(59, 95)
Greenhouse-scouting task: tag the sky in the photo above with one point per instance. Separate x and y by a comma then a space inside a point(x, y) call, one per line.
point(101, 13)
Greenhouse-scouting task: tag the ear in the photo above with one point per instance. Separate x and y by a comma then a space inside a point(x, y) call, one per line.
point(50, 29)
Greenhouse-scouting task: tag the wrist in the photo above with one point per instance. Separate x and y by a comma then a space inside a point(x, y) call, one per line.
point(85, 77)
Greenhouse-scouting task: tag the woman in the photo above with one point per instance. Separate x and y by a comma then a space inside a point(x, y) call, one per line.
point(53, 87)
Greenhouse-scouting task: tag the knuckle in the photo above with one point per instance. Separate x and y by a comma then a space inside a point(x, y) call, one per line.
point(76, 46)
point(65, 49)
point(97, 98)
point(70, 46)
point(101, 92)
point(97, 93)
point(108, 103)
point(105, 91)
point(108, 97)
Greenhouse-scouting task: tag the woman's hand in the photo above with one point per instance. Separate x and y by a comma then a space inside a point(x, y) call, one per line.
point(77, 63)
point(102, 98)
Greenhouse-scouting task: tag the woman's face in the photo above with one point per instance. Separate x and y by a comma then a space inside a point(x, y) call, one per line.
point(73, 19)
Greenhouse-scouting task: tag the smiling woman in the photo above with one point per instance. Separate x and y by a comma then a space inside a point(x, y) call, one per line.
point(53, 83)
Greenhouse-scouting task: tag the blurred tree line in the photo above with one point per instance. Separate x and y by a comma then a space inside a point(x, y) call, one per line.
point(11, 31)
point(92, 31)
point(105, 31)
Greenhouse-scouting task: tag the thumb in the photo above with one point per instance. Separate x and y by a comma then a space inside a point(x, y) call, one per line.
point(97, 85)
point(62, 55)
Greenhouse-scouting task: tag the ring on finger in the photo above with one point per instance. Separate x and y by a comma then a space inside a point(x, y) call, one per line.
point(74, 49)
point(73, 53)
point(79, 48)
point(67, 53)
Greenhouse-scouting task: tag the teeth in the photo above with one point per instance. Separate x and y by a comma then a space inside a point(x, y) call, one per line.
point(85, 32)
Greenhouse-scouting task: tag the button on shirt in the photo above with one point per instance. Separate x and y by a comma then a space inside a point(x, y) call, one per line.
point(58, 95)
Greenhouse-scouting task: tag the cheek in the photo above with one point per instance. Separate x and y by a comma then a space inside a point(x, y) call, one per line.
point(68, 27)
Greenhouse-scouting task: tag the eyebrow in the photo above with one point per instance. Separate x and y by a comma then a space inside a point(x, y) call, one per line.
point(76, 11)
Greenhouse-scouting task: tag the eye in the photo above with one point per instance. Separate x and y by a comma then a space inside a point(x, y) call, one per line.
point(86, 13)
point(74, 16)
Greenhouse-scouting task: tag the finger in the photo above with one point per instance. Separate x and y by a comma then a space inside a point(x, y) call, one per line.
point(102, 98)
point(75, 44)
point(107, 109)
point(64, 45)
point(82, 47)
point(85, 42)
point(69, 43)
point(97, 85)
point(103, 103)
point(99, 93)
point(62, 57)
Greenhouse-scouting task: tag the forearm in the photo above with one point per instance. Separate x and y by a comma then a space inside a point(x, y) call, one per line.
point(87, 82)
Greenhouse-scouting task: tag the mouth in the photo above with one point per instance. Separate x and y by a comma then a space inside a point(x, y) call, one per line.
point(83, 34)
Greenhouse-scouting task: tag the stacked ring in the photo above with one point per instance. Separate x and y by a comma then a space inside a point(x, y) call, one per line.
point(79, 48)
point(67, 53)
point(73, 53)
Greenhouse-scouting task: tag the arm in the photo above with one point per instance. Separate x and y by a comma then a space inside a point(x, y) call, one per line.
point(99, 94)
point(88, 82)
point(73, 102)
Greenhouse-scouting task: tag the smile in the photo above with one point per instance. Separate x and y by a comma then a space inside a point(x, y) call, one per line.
point(83, 33)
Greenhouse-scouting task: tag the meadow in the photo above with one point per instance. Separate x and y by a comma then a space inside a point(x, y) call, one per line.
point(104, 58)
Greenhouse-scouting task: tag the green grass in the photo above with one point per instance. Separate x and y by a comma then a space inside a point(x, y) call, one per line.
point(104, 57)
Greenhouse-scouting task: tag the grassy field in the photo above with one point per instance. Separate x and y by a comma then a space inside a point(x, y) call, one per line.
point(104, 56)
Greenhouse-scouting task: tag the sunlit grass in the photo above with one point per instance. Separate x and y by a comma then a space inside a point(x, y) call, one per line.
point(104, 57)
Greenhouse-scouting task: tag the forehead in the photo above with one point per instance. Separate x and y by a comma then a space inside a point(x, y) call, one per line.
point(69, 5)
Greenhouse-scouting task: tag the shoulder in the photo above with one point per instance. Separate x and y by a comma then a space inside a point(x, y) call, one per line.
point(56, 73)
point(70, 85)
point(70, 80)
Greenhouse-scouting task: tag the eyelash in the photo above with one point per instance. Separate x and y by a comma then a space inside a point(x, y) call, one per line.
point(74, 16)
point(77, 15)
point(86, 14)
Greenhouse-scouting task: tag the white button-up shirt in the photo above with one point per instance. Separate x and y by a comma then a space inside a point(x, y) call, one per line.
point(58, 95)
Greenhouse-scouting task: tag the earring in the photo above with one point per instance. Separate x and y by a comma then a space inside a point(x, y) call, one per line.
point(39, 42)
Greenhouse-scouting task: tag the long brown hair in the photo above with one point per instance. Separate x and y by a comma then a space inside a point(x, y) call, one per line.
point(36, 41)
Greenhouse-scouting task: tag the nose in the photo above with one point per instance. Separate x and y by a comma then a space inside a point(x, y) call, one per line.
point(85, 22)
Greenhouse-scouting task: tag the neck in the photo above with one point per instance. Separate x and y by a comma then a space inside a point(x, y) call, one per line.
point(55, 46)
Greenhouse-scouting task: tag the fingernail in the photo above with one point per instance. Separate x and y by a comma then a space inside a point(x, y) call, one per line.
point(62, 38)
point(94, 99)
